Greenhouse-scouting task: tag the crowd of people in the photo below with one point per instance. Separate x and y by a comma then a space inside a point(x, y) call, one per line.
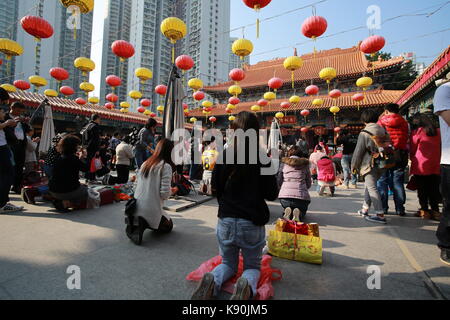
point(379, 157)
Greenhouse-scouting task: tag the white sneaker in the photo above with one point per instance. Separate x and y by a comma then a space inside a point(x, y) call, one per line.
point(10, 208)
point(287, 213)
point(296, 215)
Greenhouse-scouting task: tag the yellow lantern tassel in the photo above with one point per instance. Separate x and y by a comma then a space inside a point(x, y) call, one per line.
point(328, 82)
point(293, 79)
point(173, 54)
point(74, 25)
point(257, 28)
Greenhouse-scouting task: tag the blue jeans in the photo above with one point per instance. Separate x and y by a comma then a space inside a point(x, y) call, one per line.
point(398, 177)
point(346, 164)
point(140, 156)
point(235, 236)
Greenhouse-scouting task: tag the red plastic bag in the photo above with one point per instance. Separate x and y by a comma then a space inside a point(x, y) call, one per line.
point(265, 290)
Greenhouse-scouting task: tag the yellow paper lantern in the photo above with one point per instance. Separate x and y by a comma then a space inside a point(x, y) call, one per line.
point(37, 81)
point(293, 63)
point(207, 104)
point(84, 64)
point(231, 118)
point(87, 87)
point(143, 74)
point(317, 102)
point(269, 96)
point(231, 106)
point(192, 120)
point(255, 108)
point(174, 29)
point(195, 84)
point(85, 6)
point(94, 100)
point(125, 105)
point(50, 93)
point(10, 48)
point(364, 82)
point(294, 99)
point(242, 48)
point(124, 110)
point(235, 90)
point(8, 87)
point(147, 112)
point(279, 115)
point(160, 108)
point(328, 74)
point(135, 95)
point(335, 110)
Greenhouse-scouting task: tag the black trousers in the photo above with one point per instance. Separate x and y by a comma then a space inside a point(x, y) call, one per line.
point(443, 231)
point(18, 151)
point(6, 175)
point(123, 173)
point(428, 191)
point(302, 205)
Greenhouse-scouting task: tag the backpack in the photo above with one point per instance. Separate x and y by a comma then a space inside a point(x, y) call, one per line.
point(85, 134)
point(385, 157)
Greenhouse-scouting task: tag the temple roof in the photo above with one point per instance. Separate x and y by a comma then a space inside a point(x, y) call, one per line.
point(347, 62)
point(374, 98)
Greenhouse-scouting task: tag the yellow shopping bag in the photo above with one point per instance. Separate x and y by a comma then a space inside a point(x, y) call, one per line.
point(295, 247)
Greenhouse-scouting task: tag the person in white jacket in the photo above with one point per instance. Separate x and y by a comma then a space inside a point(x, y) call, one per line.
point(153, 187)
point(30, 151)
point(124, 155)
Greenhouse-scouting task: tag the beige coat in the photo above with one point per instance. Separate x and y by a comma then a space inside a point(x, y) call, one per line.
point(151, 192)
point(124, 154)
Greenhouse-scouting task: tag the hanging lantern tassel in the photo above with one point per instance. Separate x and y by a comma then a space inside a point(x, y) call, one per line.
point(173, 50)
point(373, 65)
point(74, 13)
point(314, 39)
point(257, 8)
point(292, 78)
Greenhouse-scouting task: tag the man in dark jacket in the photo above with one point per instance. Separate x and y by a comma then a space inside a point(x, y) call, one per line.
point(91, 140)
point(349, 143)
point(398, 130)
point(17, 142)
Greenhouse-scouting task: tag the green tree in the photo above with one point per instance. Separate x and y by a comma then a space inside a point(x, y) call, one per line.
point(402, 78)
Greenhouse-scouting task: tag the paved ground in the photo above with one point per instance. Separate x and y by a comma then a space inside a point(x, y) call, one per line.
point(38, 245)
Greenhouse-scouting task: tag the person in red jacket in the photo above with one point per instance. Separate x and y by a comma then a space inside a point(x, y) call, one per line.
point(398, 129)
point(326, 172)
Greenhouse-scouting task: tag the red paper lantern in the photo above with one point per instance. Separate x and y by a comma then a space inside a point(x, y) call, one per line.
point(312, 90)
point(146, 103)
point(21, 85)
point(152, 115)
point(337, 130)
point(161, 90)
point(110, 106)
point(228, 110)
point(141, 110)
point(285, 105)
point(304, 130)
point(59, 74)
point(305, 113)
point(372, 44)
point(184, 62)
point(80, 101)
point(37, 27)
point(315, 26)
point(275, 83)
point(122, 49)
point(234, 101)
point(358, 97)
point(185, 106)
point(113, 81)
point(207, 109)
point(262, 103)
point(213, 119)
point(257, 4)
point(199, 95)
point(67, 91)
point(335, 94)
point(112, 97)
point(237, 75)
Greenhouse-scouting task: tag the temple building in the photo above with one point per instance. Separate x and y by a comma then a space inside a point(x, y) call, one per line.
point(350, 64)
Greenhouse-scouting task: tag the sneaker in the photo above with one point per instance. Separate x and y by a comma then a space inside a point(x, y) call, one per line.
point(376, 219)
point(242, 291)
point(10, 208)
point(297, 215)
point(205, 289)
point(363, 213)
point(420, 213)
point(287, 213)
point(401, 214)
point(445, 256)
point(435, 215)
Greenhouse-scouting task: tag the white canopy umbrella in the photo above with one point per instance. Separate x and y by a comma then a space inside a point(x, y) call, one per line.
point(48, 130)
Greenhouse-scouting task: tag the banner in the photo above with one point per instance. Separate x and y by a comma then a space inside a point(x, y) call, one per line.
point(285, 120)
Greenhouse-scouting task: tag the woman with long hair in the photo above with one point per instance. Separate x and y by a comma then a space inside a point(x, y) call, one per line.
point(425, 153)
point(241, 189)
point(153, 187)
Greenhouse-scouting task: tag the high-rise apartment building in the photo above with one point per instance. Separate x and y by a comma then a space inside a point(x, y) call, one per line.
point(116, 27)
point(58, 51)
point(235, 61)
point(8, 29)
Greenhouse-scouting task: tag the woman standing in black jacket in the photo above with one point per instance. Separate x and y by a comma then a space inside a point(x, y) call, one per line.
point(241, 192)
